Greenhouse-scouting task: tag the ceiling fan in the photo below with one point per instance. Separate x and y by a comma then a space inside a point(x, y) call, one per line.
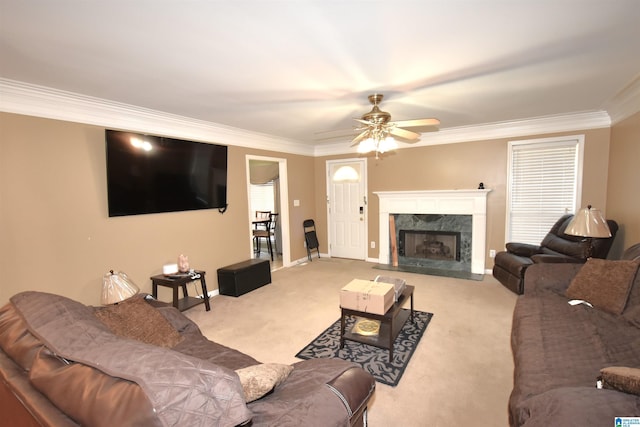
point(377, 131)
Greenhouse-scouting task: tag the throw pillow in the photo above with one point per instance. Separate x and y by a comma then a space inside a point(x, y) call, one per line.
point(621, 378)
point(134, 318)
point(258, 380)
point(604, 283)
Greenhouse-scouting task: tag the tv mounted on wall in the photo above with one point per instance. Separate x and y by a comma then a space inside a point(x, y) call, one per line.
point(152, 174)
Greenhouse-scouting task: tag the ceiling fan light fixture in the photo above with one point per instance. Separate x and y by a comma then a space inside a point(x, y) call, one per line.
point(387, 144)
point(366, 146)
point(377, 128)
point(378, 144)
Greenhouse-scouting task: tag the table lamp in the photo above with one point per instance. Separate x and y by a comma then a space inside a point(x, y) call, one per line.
point(588, 223)
point(117, 287)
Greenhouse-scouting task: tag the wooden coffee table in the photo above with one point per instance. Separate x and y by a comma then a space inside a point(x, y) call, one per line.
point(390, 323)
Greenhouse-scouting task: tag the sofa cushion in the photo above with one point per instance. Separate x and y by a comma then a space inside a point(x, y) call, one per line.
point(604, 283)
point(567, 245)
point(311, 400)
point(621, 378)
point(134, 318)
point(258, 380)
point(559, 345)
point(575, 406)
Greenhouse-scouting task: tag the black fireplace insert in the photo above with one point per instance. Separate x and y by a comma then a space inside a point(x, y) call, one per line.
point(428, 244)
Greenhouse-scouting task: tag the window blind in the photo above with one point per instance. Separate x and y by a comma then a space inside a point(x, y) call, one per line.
point(542, 187)
point(262, 197)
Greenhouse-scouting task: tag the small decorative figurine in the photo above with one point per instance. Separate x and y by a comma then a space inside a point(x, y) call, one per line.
point(183, 264)
point(481, 186)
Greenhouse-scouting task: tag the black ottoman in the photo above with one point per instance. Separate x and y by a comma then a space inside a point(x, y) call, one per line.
point(238, 279)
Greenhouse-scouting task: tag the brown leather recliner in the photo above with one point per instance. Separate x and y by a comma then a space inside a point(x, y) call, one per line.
point(510, 265)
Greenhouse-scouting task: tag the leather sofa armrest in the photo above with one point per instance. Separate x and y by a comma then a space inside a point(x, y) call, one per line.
point(21, 404)
point(555, 259)
point(523, 249)
point(354, 387)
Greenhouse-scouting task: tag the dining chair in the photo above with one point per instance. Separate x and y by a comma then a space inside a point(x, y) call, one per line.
point(266, 234)
point(262, 215)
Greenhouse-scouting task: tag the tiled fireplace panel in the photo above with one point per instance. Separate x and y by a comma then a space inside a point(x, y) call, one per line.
point(435, 241)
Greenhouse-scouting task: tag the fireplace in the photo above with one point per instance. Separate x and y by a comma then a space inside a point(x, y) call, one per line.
point(469, 207)
point(440, 241)
point(434, 245)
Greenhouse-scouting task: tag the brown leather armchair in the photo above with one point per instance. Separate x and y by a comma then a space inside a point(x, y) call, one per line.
point(510, 265)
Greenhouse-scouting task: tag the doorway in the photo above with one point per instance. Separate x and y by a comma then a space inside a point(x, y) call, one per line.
point(267, 190)
point(347, 208)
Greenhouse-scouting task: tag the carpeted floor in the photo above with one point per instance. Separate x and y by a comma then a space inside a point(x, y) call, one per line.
point(371, 358)
point(460, 373)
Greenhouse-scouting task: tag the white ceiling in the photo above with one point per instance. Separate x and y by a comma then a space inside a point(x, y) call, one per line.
point(298, 69)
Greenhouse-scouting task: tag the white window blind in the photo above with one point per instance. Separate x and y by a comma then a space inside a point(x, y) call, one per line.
point(543, 186)
point(262, 197)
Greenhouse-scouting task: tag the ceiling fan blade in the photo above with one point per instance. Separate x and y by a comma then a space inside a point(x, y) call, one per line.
point(360, 137)
point(403, 133)
point(417, 123)
point(364, 122)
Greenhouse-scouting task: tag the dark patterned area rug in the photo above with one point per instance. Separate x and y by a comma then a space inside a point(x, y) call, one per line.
point(373, 359)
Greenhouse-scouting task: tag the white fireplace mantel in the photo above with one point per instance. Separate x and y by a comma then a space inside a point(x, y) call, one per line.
point(453, 202)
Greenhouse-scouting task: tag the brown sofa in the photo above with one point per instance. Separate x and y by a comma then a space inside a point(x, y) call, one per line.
point(144, 363)
point(560, 350)
point(557, 247)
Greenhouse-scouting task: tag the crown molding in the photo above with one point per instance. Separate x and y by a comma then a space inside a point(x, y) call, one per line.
point(33, 100)
point(498, 130)
point(626, 103)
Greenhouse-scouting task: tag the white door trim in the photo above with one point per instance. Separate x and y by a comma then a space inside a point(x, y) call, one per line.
point(284, 206)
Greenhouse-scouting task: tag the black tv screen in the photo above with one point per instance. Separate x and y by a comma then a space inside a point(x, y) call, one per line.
point(152, 174)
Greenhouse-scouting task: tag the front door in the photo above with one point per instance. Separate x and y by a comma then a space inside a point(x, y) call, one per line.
point(347, 208)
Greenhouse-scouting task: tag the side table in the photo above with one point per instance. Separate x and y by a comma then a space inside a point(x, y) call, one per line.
point(176, 281)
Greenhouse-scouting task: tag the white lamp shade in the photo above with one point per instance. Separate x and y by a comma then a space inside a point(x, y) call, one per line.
point(588, 222)
point(117, 287)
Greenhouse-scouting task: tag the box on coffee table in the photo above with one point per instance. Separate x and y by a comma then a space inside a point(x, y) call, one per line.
point(367, 296)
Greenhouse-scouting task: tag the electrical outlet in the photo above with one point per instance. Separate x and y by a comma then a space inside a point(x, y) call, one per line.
point(492, 253)
point(373, 244)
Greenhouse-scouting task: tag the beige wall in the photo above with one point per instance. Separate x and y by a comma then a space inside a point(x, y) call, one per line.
point(623, 190)
point(57, 237)
point(462, 166)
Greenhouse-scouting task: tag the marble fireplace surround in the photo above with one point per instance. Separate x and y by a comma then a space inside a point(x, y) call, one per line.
point(453, 202)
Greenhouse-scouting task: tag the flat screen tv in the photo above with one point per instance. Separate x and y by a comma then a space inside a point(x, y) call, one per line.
point(152, 174)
